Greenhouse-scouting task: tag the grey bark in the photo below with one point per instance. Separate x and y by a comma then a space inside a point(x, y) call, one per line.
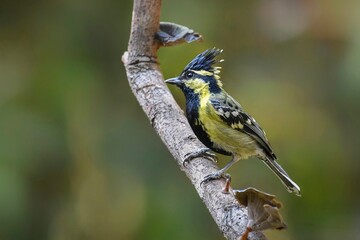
point(147, 84)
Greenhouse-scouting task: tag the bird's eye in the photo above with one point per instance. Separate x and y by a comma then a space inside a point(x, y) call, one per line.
point(189, 75)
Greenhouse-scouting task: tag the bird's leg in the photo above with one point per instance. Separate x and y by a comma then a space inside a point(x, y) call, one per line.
point(221, 173)
point(202, 152)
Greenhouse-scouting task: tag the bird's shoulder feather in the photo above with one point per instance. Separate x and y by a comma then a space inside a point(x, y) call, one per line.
point(231, 112)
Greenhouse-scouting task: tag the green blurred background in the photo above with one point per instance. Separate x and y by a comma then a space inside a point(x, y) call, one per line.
point(79, 159)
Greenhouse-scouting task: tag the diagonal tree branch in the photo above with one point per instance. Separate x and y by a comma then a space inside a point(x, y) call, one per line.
point(146, 82)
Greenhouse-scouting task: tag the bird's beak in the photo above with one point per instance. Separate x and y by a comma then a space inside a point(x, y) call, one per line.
point(174, 81)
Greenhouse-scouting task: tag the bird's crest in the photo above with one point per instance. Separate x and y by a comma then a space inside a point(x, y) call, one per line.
point(203, 63)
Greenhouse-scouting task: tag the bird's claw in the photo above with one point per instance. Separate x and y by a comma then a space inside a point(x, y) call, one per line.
point(216, 176)
point(203, 152)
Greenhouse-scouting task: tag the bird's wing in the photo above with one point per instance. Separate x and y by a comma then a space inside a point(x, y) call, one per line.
point(230, 112)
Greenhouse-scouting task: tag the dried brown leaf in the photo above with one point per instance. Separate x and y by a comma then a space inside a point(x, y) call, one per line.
point(263, 210)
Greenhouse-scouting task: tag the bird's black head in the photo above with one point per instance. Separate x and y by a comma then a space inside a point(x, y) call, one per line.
point(200, 74)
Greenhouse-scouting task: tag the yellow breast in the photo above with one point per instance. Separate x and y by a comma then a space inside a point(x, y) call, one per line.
point(221, 134)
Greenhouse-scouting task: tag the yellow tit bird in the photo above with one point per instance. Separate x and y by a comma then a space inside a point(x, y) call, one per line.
point(220, 122)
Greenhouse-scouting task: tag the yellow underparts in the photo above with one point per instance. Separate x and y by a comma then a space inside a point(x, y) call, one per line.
point(221, 134)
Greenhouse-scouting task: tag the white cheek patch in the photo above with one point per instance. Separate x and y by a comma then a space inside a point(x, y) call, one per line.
point(196, 84)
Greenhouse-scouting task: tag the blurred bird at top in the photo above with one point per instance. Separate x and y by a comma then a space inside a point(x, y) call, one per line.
point(220, 122)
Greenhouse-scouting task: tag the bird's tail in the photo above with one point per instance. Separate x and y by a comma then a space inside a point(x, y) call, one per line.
point(290, 185)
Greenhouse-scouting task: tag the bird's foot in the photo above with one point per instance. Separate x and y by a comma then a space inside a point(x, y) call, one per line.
point(218, 175)
point(202, 152)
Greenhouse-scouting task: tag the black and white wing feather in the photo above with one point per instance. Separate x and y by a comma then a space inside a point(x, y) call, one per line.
point(230, 111)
